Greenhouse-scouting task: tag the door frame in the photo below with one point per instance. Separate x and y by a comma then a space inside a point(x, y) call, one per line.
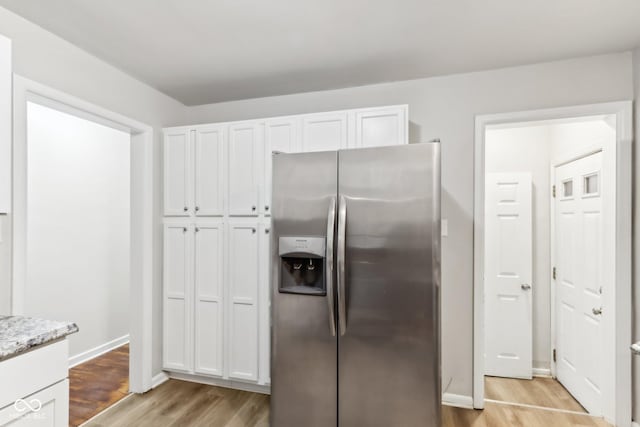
point(141, 219)
point(623, 111)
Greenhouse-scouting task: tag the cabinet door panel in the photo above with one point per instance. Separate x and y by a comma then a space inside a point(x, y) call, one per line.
point(379, 127)
point(53, 409)
point(245, 146)
point(209, 299)
point(209, 171)
point(243, 313)
point(177, 173)
point(324, 132)
point(280, 135)
point(177, 297)
point(264, 298)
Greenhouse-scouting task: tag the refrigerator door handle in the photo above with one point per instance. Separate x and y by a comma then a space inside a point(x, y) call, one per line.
point(331, 228)
point(342, 228)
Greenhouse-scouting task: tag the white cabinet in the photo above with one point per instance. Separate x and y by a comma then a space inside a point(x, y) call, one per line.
point(245, 167)
point(264, 296)
point(217, 270)
point(324, 132)
point(52, 404)
point(209, 287)
point(209, 170)
point(6, 95)
point(243, 299)
point(194, 171)
point(376, 127)
point(177, 172)
point(177, 274)
point(281, 134)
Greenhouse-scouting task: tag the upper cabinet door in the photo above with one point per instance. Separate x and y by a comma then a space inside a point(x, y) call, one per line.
point(209, 170)
point(245, 168)
point(281, 135)
point(377, 127)
point(177, 172)
point(324, 132)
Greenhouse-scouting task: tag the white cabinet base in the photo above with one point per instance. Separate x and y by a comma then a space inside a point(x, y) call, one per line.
point(219, 382)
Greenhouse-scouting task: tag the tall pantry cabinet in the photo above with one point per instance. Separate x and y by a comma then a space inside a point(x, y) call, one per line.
point(217, 254)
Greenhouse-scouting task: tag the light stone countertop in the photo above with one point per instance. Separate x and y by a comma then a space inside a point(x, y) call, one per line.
point(20, 333)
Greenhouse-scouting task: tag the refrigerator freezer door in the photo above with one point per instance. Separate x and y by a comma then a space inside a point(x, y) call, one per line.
point(389, 367)
point(304, 345)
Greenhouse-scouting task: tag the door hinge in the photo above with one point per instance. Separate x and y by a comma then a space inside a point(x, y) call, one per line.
point(553, 190)
point(554, 354)
point(554, 273)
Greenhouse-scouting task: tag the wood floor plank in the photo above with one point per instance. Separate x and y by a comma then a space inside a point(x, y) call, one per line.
point(180, 403)
point(97, 384)
point(545, 392)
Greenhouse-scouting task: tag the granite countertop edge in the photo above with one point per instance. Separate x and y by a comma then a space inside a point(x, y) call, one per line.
point(19, 334)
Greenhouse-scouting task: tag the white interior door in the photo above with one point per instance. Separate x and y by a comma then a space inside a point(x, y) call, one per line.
point(508, 275)
point(579, 279)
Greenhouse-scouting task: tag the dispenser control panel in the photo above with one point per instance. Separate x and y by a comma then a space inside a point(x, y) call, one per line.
point(302, 265)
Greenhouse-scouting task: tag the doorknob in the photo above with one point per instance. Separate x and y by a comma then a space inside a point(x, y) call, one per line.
point(525, 286)
point(596, 311)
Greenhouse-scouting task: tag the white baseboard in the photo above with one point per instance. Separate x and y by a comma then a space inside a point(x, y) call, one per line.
point(219, 382)
point(457, 400)
point(97, 351)
point(159, 379)
point(634, 424)
point(542, 372)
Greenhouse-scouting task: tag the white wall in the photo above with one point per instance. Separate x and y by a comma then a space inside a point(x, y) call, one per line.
point(527, 149)
point(41, 56)
point(636, 234)
point(446, 107)
point(78, 231)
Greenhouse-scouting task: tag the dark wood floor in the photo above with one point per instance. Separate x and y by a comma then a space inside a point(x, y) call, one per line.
point(97, 384)
point(184, 404)
point(545, 392)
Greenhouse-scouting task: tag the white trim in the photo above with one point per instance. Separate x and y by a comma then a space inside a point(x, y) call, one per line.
point(457, 400)
point(634, 424)
point(623, 314)
point(142, 215)
point(219, 382)
point(92, 353)
point(542, 372)
point(159, 379)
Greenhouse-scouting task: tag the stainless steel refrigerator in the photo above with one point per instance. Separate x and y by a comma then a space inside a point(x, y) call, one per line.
point(355, 279)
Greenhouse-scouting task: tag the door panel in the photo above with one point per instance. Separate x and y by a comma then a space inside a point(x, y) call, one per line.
point(379, 127)
point(579, 270)
point(209, 171)
point(209, 261)
point(243, 307)
point(324, 132)
point(508, 275)
point(177, 170)
point(280, 135)
point(245, 168)
point(265, 304)
point(389, 368)
point(304, 352)
point(177, 297)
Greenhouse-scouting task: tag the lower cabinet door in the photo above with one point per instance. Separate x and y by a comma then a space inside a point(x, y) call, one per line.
point(264, 351)
point(243, 301)
point(46, 408)
point(177, 305)
point(209, 259)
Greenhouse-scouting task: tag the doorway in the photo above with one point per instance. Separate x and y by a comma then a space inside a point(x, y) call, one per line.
point(140, 214)
point(541, 260)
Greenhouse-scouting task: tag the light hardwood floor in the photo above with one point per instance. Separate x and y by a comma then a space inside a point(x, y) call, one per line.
point(545, 392)
point(179, 403)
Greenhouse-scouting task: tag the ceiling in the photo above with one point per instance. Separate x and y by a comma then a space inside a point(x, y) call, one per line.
point(205, 51)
